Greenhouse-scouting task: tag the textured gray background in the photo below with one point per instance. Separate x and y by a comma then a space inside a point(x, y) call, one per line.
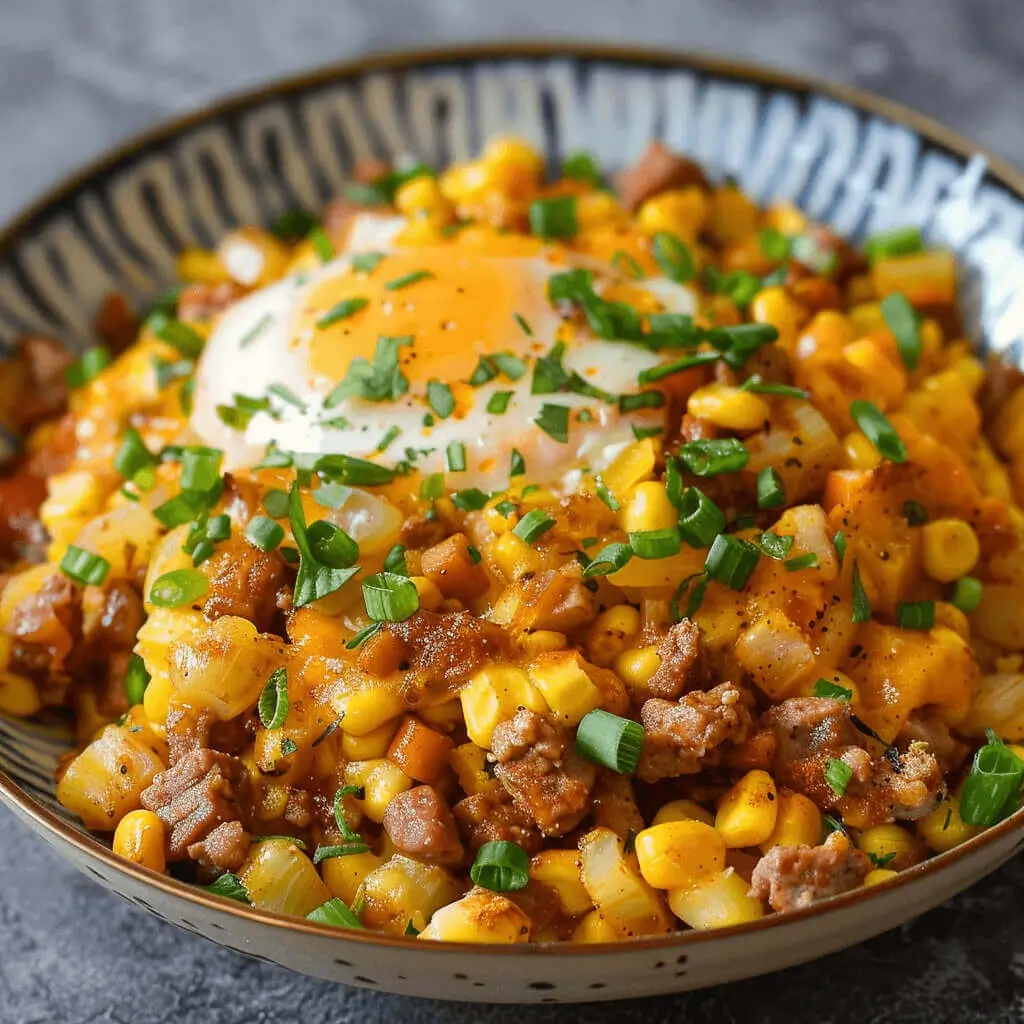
point(77, 75)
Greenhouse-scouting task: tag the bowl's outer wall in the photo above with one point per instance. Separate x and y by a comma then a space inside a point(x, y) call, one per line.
point(121, 226)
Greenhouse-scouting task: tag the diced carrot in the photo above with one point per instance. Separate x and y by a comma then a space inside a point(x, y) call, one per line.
point(421, 752)
point(926, 279)
point(451, 567)
point(381, 654)
point(842, 487)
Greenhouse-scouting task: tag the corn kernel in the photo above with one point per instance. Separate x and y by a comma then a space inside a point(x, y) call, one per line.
point(860, 453)
point(469, 763)
point(596, 209)
point(944, 829)
point(156, 701)
point(893, 845)
point(594, 929)
point(679, 853)
point(539, 641)
point(717, 902)
point(949, 549)
point(446, 716)
point(611, 633)
point(681, 211)
point(512, 557)
point(139, 837)
point(493, 695)
point(422, 197)
point(566, 687)
point(683, 810)
point(951, 617)
point(774, 306)
point(635, 667)
point(748, 812)
point(728, 407)
point(634, 463)
point(507, 149)
point(648, 508)
point(785, 217)
point(880, 875)
point(368, 707)
point(430, 597)
point(560, 871)
point(371, 744)
point(480, 916)
point(344, 875)
point(18, 696)
point(273, 799)
point(733, 215)
point(798, 823)
point(381, 782)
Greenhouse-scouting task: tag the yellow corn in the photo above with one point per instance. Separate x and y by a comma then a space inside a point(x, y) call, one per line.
point(403, 891)
point(886, 382)
point(798, 823)
point(18, 696)
point(683, 810)
point(493, 695)
point(195, 264)
point(635, 667)
point(679, 853)
point(596, 209)
point(944, 829)
point(879, 875)
point(344, 875)
point(951, 617)
point(370, 745)
point(368, 707)
point(480, 916)
point(430, 597)
point(594, 929)
point(273, 798)
point(680, 211)
point(512, 557)
point(774, 306)
point(381, 782)
point(560, 871)
point(422, 197)
point(648, 508)
point(860, 453)
point(728, 407)
point(463, 182)
point(747, 813)
point(468, 762)
point(785, 217)
point(633, 464)
point(446, 716)
point(717, 902)
point(507, 149)
point(611, 633)
point(540, 641)
point(562, 681)
point(733, 215)
point(949, 549)
point(139, 837)
point(891, 844)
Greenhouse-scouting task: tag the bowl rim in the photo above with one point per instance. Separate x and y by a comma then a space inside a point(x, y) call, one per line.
point(931, 130)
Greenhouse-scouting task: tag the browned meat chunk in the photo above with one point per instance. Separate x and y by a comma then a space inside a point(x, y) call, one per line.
point(681, 738)
point(451, 567)
point(657, 169)
point(203, 300)
point(244, 581)
point(421, 531)
point(41, 362)
point(554, 599)
point(190, 729)
point(812, 731)
point(931, 730)
point(116, 324)
point(111, 617)
point(22, 535)
point(790, 877)
point(615, 805)
point(45, 627)
point(680, 667)
point(202, 791)
point(1001, 380)
point(443, 651)
point(492, 817)
point(542, 773)
point(421, 825)
point(225, 848)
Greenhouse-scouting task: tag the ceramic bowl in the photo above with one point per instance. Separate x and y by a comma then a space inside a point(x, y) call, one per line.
point(857, 163)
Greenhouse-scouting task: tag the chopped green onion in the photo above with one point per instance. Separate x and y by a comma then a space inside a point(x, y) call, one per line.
point(292, 224)
point(643, 400)
point(394, 561)
point(915, 513)
point(363, 635)
point(347, 469)
point(711, 457)
point(533, 525)
point(809, 251)
point(88, 367)
point(276, 503)
point(84, 567)
point(771, 490)
point(554, 218)
point(389, 597)
point(334, 912)
point(379, 381)
point(349, 849)
point(826, 688)
point(656, 373)
point(610, 740)
point(432, 487)
point(517, 465)
point(656, 543)
point(455, 457)
point(607, 497)
point(839, 543)
point(623, 260)
point(699, 583)
point(731, 561)
point(611, 558)
point(807, 561)
point(132, 455)
point(501, 866)
point(992, 789)
point(264, 533)
point(331, 546)
point(878, 430)
point(757, 386)
point(774, 244)
point(175, 333)
point(508, 365)
point(367, 262)
point(901, 318)
point(505, 507)
point(200, 469)
point(861, 605)
point(523, 325)
point(967, 594)
point(472, 499)
point(330, 495)
point(582, 166)
point(341, 311)
point(775, 546)
point(181, 586)
point(700, 519)
point(837, 775)
point(396, 284)
point(485, 371)
point(497, 404)
point(884, 245)
point(554, 421)
point(228, 886)
point(915, 615)
point(136, 679)
point(673, 257)
point(321, 244)
point(316, 579)
point(640, 433)
point(274, 703)
point(440, 399)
